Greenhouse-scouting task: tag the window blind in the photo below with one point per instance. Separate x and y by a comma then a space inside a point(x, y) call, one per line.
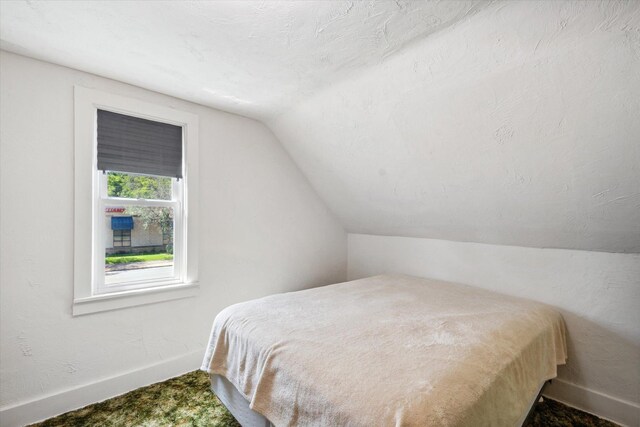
point(135, 145)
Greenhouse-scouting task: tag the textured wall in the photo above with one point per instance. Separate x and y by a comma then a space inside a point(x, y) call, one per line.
point(598, 294)
point(262, 230)
point(516, 126)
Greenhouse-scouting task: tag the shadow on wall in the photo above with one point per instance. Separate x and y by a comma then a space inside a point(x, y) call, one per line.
point(588, 340)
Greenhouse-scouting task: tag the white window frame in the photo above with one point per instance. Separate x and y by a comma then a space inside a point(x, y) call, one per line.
point(90, 292)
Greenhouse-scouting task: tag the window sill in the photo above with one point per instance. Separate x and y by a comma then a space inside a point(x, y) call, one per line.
point(117, 300)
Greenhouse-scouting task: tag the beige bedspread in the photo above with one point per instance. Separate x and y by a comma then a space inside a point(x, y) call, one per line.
point(388, 350)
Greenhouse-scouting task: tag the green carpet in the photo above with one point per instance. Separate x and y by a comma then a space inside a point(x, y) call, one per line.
point(187, 401)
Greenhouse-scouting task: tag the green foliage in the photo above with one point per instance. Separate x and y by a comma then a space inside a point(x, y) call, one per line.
point(125, 259)
point(138, 186)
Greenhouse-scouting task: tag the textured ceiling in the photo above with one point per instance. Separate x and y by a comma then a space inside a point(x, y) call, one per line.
point(255, 58)
point(512, 122)
point(520, 126)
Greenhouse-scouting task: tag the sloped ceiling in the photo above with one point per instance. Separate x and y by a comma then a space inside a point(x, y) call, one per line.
point(506, 122)
point(519, 126)
point(249, 57)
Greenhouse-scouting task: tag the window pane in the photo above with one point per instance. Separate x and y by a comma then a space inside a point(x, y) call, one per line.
point(133, 186)
point(138, 244)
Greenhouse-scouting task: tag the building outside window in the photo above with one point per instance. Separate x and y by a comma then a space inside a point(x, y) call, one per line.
point(136, 235)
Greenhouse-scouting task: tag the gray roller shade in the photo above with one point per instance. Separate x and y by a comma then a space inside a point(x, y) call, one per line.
point(134, 145)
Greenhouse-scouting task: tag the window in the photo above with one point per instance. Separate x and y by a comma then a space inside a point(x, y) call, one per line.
point(140, 170)
point(121, 238)
point(135, 237)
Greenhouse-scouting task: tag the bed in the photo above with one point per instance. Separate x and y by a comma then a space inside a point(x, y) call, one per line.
point(386, 351)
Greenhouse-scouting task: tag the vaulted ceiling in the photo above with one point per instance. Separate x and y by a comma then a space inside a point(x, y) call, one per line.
point(506, 122)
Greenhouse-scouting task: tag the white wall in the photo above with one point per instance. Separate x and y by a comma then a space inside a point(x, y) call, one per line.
point(263, 230)
point(598, 294)
point(516, 126)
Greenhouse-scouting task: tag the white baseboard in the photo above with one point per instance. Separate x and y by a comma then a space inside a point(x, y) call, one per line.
point(602, 405)
point(67, 400)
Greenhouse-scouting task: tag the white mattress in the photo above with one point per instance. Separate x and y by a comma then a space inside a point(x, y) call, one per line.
point(388, 350)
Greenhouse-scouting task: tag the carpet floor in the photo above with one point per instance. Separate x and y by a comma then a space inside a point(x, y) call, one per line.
point(188, 401)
